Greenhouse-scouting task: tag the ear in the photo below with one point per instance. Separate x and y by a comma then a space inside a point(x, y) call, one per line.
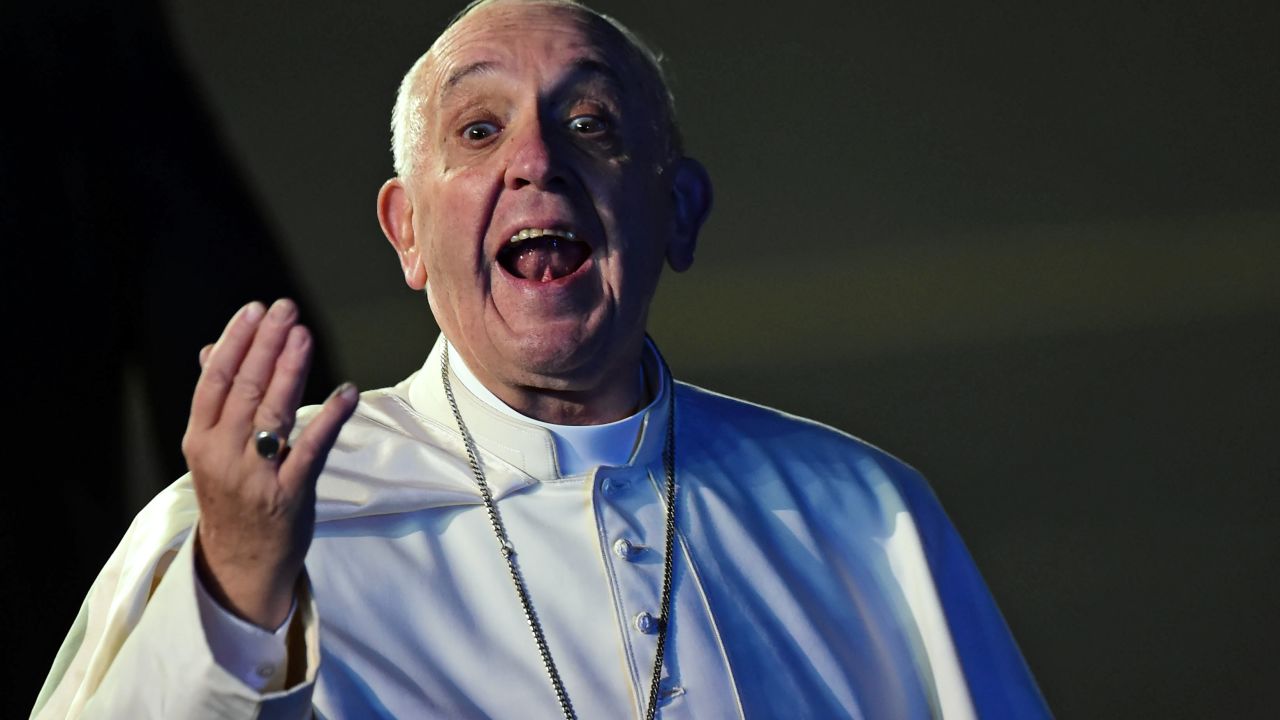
point(395, 215)
point(691, 194)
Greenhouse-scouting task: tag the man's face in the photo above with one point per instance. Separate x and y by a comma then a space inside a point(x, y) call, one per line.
point(536, 125)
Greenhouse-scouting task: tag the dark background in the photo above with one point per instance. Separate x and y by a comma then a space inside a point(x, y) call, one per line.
point(1033, 249)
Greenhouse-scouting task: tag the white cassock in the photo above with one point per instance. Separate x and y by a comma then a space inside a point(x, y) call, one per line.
point(814, 576)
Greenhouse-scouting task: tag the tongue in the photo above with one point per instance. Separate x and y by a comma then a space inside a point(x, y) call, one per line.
point(548, 258)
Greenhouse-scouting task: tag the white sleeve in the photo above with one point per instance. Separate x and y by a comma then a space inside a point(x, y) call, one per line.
point(257, 657)
point(167, 666)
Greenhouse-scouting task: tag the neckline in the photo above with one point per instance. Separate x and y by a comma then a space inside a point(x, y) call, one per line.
point(579, 448)
point(522, 442)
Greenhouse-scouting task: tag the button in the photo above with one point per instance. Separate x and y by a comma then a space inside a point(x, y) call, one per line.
point(611, 486)
point(625, 549)
point(265, 670)
point(668, 691)
point(646, 623)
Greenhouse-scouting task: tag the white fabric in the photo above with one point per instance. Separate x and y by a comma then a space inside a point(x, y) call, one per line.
point(801, 588)
point(255, 656)
point(579, 448)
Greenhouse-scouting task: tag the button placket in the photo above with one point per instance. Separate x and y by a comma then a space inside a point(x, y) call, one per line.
point(639, 517)
point(629, 516)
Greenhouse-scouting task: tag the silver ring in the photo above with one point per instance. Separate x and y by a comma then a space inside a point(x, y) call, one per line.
point(269, 444)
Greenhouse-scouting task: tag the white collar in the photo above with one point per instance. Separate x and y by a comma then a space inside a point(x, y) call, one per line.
point(543, 450)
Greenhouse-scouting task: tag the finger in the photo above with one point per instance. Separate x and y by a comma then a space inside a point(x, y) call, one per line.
point(280, 403)
point(221, 365)
point(250, 382)
point(204, 354)
point(307, 456)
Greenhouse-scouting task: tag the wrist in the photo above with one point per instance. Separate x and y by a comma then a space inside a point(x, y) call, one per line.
point(263, 598)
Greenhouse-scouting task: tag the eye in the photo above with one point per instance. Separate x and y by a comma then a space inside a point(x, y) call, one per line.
point(588, 124)
point(478, 131)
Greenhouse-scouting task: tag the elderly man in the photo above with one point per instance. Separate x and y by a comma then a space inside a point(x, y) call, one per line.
point(541, 521)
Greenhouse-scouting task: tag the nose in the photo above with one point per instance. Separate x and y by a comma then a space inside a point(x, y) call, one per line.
point(534, 159)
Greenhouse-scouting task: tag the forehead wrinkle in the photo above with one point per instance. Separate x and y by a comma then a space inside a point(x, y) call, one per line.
point(588, 67)
point(584, 70)
point(455, 78)
point(601, 47)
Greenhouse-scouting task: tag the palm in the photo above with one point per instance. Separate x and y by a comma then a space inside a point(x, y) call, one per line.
point(257, 515)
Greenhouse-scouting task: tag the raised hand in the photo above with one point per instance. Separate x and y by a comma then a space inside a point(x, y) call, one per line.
point(257, 515)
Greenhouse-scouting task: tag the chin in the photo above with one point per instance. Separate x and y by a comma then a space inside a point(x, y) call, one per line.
point(561, 356)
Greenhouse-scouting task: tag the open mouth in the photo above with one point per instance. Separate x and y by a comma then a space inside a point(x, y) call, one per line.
point(543, 254)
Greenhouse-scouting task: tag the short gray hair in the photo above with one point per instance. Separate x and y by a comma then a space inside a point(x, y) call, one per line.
point(407, 121)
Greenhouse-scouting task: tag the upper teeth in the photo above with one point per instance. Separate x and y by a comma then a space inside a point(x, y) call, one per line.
point(527, 233)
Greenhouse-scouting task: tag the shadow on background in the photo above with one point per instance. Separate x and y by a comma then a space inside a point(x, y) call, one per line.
point(1033, 250)
point(132, 240)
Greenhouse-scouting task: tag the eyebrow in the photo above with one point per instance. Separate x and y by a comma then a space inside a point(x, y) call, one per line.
point(583, 66)
point(484, 67)
point(591, 66)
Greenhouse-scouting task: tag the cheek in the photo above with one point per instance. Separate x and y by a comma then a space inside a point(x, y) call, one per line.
point(628, 198)
point(641, 216)
point(459, 221)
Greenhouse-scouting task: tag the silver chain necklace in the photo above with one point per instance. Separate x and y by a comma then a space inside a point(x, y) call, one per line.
point(508, 551)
